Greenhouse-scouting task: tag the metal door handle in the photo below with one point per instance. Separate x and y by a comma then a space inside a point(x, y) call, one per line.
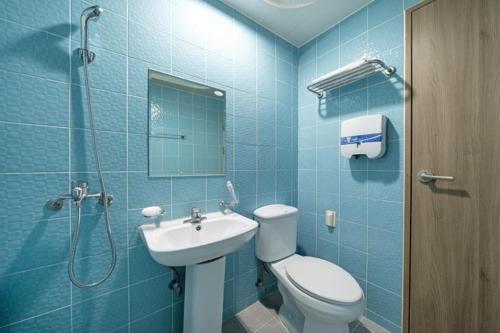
point(426, 176)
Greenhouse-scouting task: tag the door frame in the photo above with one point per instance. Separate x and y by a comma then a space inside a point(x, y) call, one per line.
point(408, 172)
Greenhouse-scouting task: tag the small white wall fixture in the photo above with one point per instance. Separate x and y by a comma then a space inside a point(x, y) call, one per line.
point(365, 135)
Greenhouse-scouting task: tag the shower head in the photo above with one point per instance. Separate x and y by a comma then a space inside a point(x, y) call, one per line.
point(91, 13)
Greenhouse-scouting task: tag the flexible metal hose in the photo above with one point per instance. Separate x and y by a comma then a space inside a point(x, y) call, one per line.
point(104, 197)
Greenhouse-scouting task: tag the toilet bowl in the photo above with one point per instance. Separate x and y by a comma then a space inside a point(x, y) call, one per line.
point(318, 296)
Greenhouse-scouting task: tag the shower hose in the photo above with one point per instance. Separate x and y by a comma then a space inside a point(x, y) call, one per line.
point(76, 234)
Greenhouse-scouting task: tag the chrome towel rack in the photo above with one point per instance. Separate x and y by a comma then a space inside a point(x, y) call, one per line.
point(169, 136)
point(348, 74)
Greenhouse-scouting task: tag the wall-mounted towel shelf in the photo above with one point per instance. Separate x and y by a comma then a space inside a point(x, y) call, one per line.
point(348, 74)
point(169, 136)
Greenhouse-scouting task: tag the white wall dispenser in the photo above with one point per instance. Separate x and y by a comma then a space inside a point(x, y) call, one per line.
point(365, 135)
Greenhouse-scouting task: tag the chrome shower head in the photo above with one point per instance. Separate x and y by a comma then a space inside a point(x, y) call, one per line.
point(91, 13)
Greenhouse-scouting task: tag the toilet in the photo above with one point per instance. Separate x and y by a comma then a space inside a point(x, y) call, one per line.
point(318, 296)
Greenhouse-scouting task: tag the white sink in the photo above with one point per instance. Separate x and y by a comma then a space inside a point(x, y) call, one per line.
point(201, 248)
point(175, 243)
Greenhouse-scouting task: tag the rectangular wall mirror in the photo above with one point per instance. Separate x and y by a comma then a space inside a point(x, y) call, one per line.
point(186, 127)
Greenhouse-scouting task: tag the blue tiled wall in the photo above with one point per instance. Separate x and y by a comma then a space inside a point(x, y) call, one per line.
point(366, 194)
point(45, 144)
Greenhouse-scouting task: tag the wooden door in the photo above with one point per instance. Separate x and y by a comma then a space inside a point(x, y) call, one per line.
point(453, 129)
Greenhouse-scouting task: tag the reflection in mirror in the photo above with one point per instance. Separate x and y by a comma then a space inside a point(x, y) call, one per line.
point(186, 127)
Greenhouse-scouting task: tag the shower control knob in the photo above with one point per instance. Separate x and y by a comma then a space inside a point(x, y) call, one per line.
point(109, 201)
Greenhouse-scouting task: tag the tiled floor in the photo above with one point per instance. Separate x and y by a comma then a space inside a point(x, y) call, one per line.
point(262, 317)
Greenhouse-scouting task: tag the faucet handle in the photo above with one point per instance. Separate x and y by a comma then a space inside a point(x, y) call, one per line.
point(195, 212)
point(82, 184)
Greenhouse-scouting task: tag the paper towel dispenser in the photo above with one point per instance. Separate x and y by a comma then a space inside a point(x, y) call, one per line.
point(364, 135)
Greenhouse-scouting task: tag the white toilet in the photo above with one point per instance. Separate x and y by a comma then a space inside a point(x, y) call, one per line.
point(318, 296)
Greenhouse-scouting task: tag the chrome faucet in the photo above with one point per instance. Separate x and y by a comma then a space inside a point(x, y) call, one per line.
point(195, 216)
point(224, 208)
point(78, 194)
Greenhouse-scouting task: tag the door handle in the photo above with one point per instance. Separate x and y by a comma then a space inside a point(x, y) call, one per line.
point(426, 176)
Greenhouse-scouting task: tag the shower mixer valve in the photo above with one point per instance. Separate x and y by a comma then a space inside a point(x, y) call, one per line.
point(78, 194)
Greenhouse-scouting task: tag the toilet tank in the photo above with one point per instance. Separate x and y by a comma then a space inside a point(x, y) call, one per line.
point(276, 236)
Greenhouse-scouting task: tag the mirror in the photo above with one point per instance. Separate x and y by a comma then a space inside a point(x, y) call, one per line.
point(186, 127)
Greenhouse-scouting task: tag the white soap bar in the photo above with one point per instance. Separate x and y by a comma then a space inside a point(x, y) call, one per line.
point(330, 218)
point(152, 211)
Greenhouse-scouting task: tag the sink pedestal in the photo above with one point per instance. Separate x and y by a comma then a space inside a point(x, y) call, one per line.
point(204, 297)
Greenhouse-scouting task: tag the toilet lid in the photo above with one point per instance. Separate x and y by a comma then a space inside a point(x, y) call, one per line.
point(323, 280)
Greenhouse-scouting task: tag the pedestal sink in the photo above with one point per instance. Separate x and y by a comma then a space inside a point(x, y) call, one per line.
point(201, 247)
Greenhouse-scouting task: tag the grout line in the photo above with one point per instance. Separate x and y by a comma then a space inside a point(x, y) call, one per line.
point(35, 29)
point(101, 295)
point(37, 316)
point(5, 70)
point(127, 161)
point(162, 275)
point(367, 183)
point(70, 207)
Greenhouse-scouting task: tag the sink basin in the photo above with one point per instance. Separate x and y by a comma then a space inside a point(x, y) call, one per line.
point(175, 243)
point(202, 248)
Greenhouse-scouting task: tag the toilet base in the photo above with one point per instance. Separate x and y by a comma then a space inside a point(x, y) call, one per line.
point(289, 314)
point(290, 322)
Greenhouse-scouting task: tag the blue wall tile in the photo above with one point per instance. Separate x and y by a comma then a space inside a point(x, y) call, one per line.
point(386, 36)
point(385, 215)
point(385, 274)
point(21, 186)
point(353, 235)
point(157, 322)
point(366, 194)
point(29, 293)
point(113, 156)
point(33, 52)
point(353, 26)
point(387, 304)
point(38, 64)
point(353, 261)
point(56, 321)
point(30, 244)
point(155, 14)
point(109, 109)
point(328, 41)
point(149, 296)
point(24, 96)
point(33, 148)
point(410, 3)
point(328, 250)
point(148, 44)
point(142, 265)
point(46, 15)
point(101, 314)
point(188, 58)
point(383, 10)
point(144, 191)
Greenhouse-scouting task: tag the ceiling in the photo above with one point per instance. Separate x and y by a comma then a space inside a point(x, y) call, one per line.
point(300, 25)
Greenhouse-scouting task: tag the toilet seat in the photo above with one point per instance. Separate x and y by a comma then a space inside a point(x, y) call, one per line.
point(324, 281)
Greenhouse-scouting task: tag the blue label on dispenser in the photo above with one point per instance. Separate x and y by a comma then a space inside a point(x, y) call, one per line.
point(357, 139)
